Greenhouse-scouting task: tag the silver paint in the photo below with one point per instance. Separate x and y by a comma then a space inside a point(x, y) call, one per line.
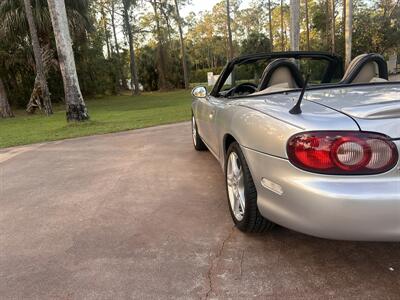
point(339, 207)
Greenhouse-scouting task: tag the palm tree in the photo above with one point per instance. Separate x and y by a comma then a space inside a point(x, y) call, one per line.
point(183, 48)
point(161, 68)
point(294, 25)
point(120, 63)
point(40, 90)
point(16, 31)
point(307, 25)
point(333, 26)
point(282, 32)
point(228, 25)
point(271, 37)
point(348, 32)
point(75, 105)
point(128, 28)
point(5, 109)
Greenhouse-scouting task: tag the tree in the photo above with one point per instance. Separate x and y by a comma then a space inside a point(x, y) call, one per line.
point(183, 47)
point(75, 105)
point(116, 44)
point(282, 32)
point(348, 32)
point(128, 28)
point(229, 29)
point(271, 36)
point(294, 25)
point(333, 25)
point(40, 94)
point(5, 109)
point(161, 68)
point(255, 43)
point(307, 24)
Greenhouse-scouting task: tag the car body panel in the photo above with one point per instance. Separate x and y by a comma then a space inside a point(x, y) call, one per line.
point(374, 107)
point(361, 207)
point(336, 207)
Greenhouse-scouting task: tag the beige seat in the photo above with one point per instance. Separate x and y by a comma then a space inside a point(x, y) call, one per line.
point(366, 68)
point(280, 75)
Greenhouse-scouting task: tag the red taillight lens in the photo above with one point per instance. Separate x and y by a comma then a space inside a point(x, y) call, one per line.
point(347, 152)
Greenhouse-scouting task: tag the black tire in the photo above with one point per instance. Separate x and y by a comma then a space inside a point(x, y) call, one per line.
point(252, 221)
point(198, 143)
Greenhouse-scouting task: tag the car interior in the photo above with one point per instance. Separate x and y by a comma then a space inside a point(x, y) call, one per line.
point(283, 74)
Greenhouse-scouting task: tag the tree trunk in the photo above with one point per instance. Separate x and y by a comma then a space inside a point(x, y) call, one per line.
point(348, 32)
point(333, 26)
point(75, 105)
point(42, 90)
point(160, 50)
point(134, 75)
point(120, 63)
point(104, 19)
point(307, 26)
point(294, 25)
point(5, 109)
point(183, 48)
point(271, 37)
point(228, 25)
point(282, 34)
point(344, 17)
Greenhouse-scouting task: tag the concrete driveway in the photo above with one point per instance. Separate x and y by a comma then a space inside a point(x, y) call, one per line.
point(141, 215)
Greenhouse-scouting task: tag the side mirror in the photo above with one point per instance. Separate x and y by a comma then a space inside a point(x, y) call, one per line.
point(199, 92)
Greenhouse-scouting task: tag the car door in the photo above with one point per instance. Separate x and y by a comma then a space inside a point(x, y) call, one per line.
point(206, 122)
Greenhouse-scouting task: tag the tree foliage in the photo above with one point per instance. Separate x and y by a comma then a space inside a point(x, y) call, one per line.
point(101, 40)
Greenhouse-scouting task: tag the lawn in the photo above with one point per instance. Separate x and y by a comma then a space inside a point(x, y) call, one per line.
point(107, 114)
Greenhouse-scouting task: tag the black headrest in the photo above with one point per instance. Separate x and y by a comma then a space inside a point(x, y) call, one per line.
point(358, 63)
point(275, 65)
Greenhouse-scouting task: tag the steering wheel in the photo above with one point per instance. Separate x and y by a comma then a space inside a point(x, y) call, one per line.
point(243, 89)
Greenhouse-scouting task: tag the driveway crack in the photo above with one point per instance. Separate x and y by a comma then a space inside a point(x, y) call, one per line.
point(219, 253)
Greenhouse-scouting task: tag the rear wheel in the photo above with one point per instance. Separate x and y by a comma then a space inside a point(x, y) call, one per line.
point(197, 141)
point(242, 193)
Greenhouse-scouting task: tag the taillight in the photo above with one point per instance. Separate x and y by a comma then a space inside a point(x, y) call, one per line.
point(342, 152)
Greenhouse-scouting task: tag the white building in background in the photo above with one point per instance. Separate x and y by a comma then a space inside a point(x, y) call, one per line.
point(212, 79)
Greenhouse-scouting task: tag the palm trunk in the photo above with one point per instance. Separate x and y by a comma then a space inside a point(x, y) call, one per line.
point(307, 26)
point(294, 25)
point(183, 49)
point(5, 109)
point(333, 26)
point(104, 19)
point(120, 64)
point(134, 75)
point(75, 105)
point(348, 31)
point(327, 25)
point(228, 25)
point(41, 90)
point(271, 38)
point(282, 33)
point(161, 62)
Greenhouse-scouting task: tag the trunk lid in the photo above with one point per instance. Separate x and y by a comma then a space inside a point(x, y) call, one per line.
point(374, 107)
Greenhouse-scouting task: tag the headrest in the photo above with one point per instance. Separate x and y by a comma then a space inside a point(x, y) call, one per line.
point(281, 71)
point(366, 68)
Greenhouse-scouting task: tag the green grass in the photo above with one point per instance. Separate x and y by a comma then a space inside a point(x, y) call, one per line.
point(107, 114)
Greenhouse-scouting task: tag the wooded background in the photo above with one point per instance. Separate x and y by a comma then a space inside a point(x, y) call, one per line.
point(153, 45)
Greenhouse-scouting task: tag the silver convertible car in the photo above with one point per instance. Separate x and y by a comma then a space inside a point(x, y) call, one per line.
point(305, 145)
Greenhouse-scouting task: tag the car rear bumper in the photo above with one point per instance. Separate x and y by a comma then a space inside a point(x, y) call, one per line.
point(365, 208)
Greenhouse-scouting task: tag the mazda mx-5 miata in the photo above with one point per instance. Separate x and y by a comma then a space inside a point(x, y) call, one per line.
point(305, 146)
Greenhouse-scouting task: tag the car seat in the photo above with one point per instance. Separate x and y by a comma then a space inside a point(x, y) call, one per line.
point(280, 74)
point(366, 68)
